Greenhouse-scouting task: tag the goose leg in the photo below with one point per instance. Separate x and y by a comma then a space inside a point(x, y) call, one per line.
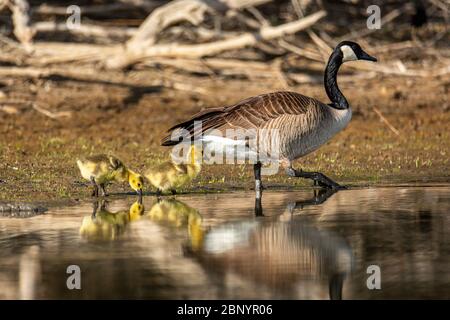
point(319, 178)
point(258, 208)
point(95, 190)
point(258, 183)
point(335, 285)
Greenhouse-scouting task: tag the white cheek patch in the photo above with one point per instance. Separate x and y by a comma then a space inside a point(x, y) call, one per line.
point(348, 54)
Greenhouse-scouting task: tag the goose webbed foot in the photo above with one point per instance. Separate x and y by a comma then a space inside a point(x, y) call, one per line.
point(318, 178)
point(320, 196)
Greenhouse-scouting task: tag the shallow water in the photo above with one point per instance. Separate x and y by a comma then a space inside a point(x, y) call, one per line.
point(305, 245)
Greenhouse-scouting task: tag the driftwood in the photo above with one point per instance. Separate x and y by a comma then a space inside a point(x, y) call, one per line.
point(391, 16)
point(50, 114)
point(8, 109)
point(386, 121)
point(91, 74)
point(117, 56)
point(198, 54)
point(213, 48)
point(21, 20)
point(105, 9)
point(193, 11)
point(84, 29)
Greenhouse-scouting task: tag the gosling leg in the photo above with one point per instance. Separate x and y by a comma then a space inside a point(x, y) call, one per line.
point(158, 194)
point(94, 209)
point(95, 190)
point(319, 178)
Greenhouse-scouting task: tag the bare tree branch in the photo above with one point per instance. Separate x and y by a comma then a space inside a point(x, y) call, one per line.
point(21, 20)
point(215, 47)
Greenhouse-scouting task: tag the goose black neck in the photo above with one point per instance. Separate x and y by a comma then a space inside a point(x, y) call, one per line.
point(334, 94)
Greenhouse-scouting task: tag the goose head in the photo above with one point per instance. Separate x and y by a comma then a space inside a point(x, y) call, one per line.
point(351, 51)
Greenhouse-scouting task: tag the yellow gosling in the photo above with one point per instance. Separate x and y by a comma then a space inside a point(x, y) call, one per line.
point(179, 214)
point(171, 176)
point(106, 225)
point(102, 169)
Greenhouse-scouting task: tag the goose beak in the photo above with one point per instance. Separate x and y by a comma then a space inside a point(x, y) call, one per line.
point(139, 193)
point(365, 56)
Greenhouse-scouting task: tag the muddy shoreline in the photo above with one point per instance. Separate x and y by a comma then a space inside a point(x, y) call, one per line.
point(38, 154)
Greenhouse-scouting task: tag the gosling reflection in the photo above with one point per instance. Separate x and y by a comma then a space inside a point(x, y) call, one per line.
point(178, 214)
point(290, 256)
point(107, 225)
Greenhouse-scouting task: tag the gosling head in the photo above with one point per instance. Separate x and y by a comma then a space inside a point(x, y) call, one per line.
point(136, 182)
point(351, 51)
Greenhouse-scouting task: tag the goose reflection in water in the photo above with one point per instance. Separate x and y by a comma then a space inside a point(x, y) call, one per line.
point(178, 214)
point(280, 252)
point(107, 225)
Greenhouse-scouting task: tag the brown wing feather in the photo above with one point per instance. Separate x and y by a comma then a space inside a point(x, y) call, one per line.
point(251, 113)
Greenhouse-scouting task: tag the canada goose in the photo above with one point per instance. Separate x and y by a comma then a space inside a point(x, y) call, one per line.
point(101, 169)
point(170, 175)
point(302, 123)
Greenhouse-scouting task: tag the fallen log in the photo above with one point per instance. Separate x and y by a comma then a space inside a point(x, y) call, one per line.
point(212, 48)
point(84, 29)
point(192, 11)
point(21, 21)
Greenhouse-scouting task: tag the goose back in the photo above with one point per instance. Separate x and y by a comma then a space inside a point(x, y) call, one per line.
point(301, 124)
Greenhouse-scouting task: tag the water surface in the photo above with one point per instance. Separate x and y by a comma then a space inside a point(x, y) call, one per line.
point(303, 245)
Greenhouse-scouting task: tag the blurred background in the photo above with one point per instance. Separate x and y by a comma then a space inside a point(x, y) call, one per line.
point(83, 77)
